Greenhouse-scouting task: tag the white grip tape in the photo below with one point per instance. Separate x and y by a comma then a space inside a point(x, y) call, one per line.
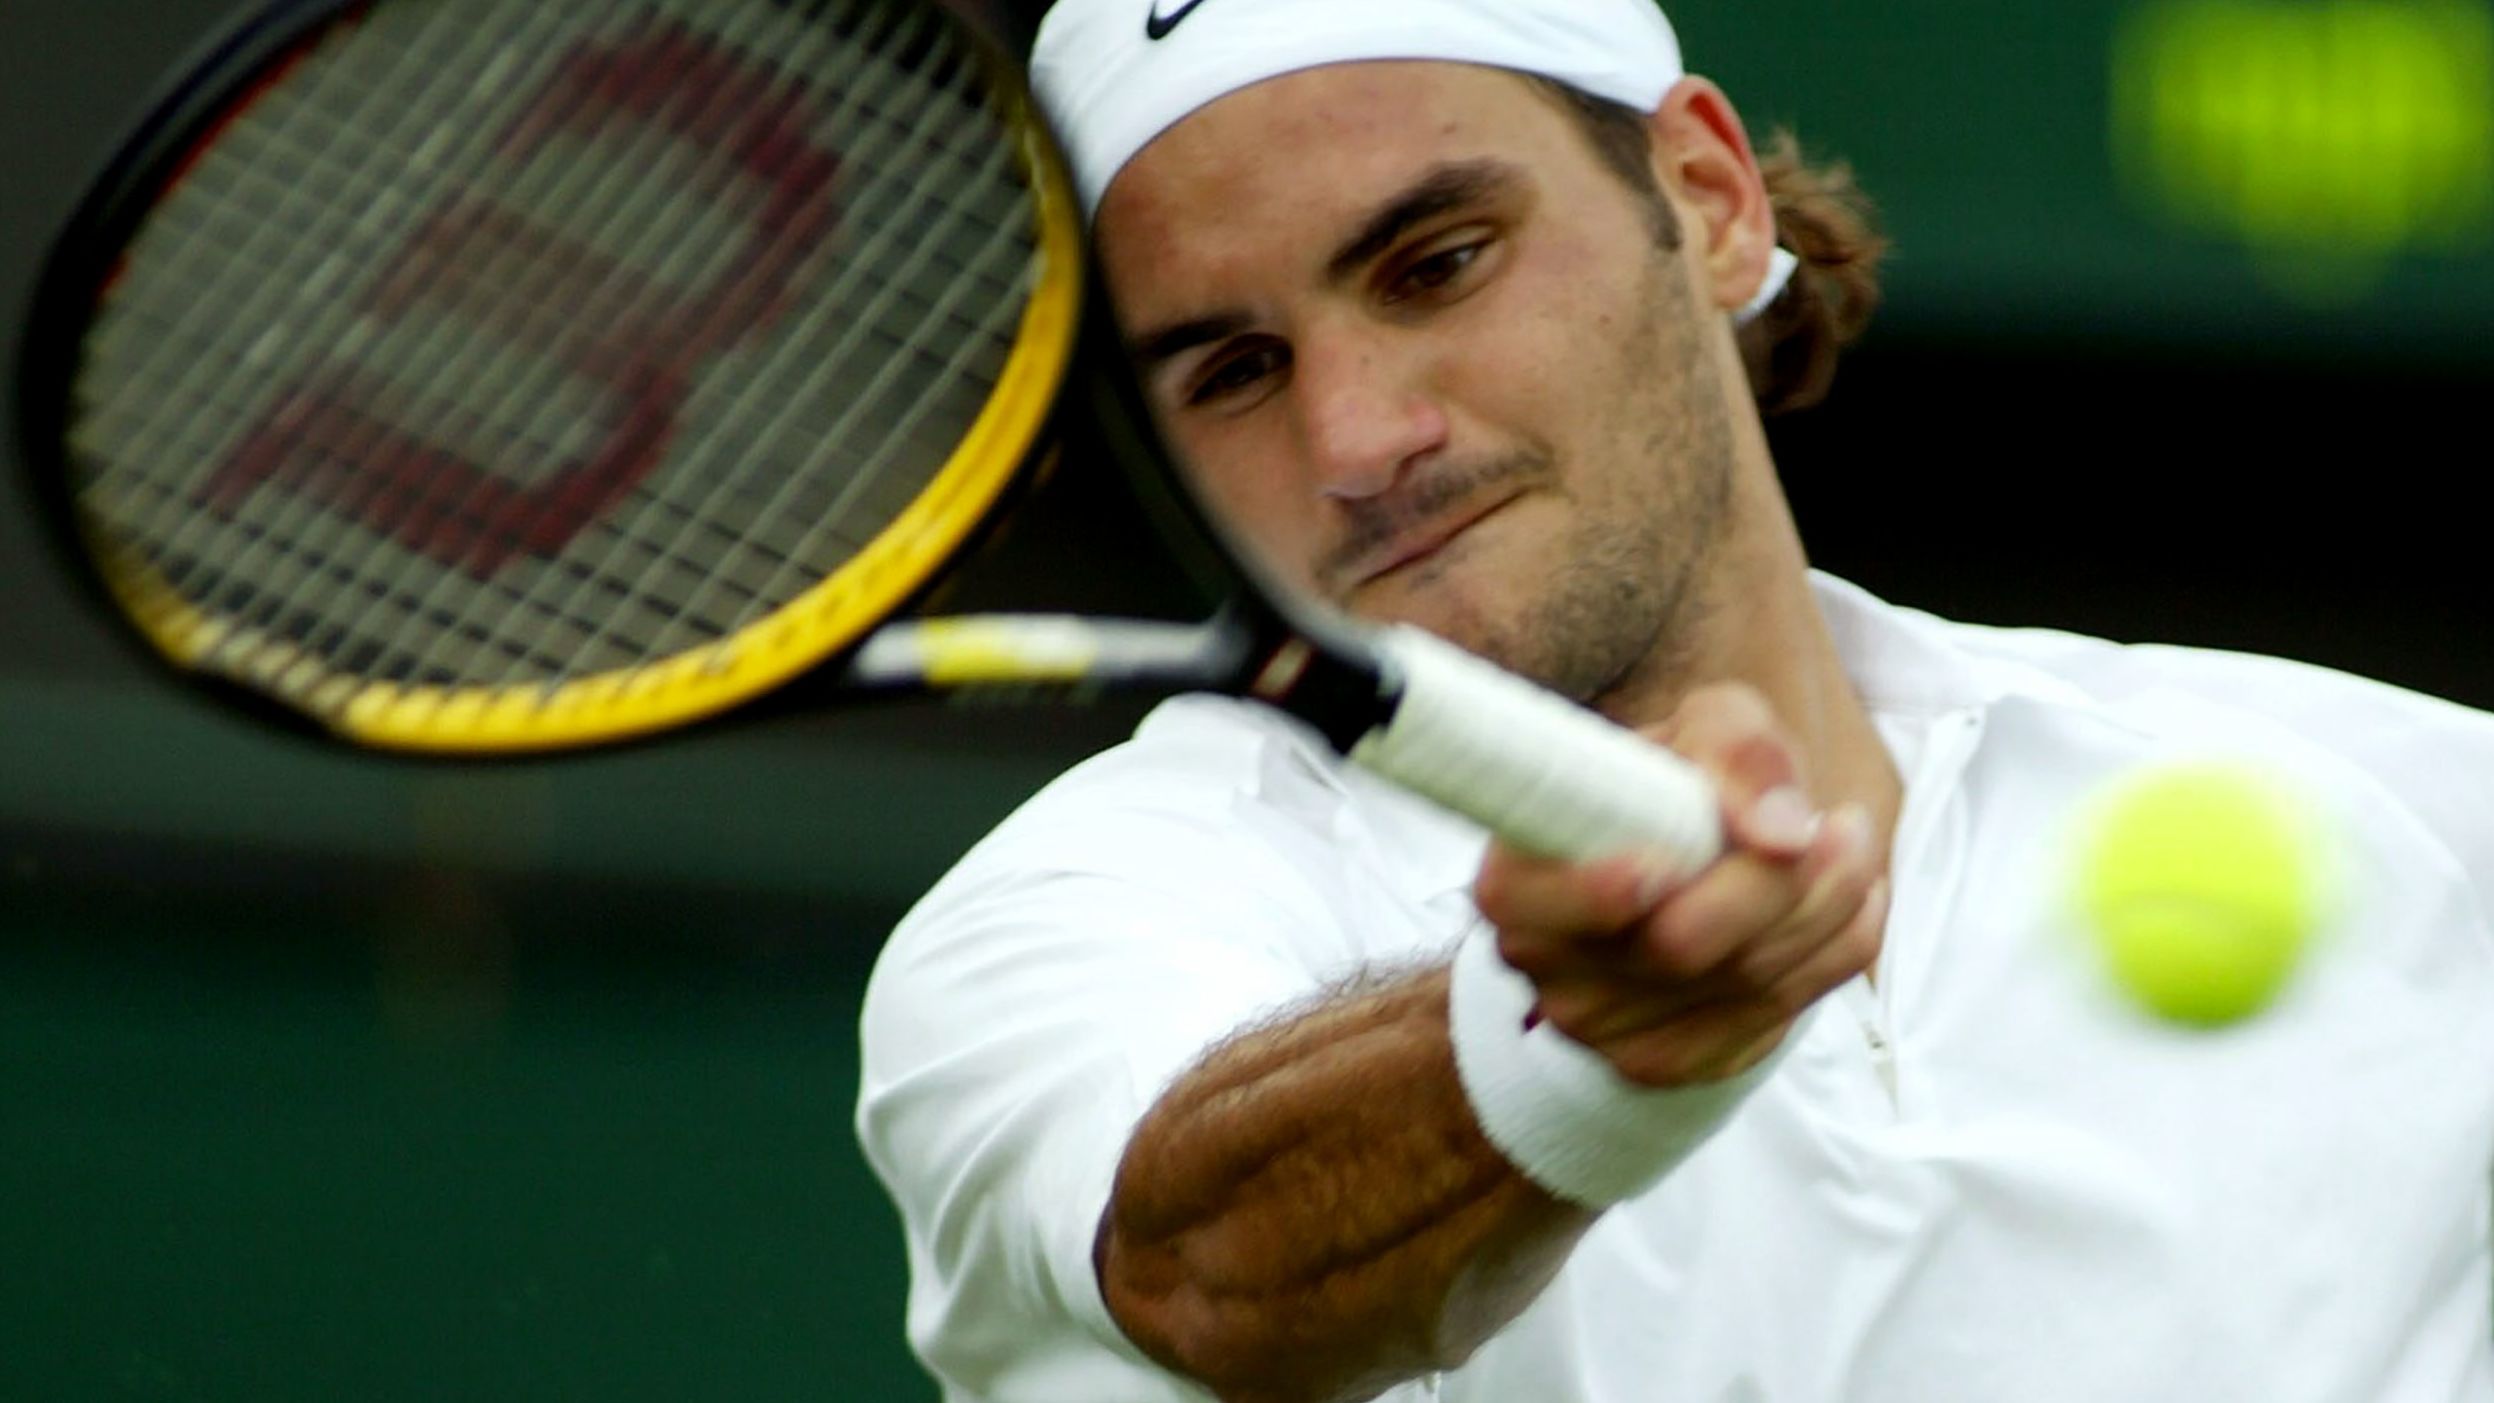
point(1554, 1108)
point(1542, 773)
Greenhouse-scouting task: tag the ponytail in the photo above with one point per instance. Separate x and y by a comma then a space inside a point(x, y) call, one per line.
point(1826, 221)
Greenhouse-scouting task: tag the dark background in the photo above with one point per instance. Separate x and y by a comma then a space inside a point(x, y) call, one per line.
point(323, 1077)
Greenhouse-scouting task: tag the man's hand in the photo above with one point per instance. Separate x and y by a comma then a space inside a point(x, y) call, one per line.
point(1676, 982)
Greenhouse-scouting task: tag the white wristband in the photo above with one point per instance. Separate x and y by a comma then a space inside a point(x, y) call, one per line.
point(1553, 1107)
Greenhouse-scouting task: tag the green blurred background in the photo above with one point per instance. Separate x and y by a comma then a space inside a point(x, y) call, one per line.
point(328, 1078)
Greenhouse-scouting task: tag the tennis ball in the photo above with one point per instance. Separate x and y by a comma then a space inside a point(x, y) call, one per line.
point(2201, 885)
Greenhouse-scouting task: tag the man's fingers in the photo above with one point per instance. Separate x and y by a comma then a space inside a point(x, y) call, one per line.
point(1703, 1045)
point(1546, 910)
point(1829, 934)
point(1729, 731)
point(1729, 933)
point(1758, 915)
point(1852, 951)
point(1679, 977)
point(1555, 915)
point(1720, 1040)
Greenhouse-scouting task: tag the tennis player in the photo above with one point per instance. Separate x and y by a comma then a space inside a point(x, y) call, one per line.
point(1220, 1071)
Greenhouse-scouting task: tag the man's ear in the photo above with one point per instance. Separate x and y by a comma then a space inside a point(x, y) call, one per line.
point(1702, 156)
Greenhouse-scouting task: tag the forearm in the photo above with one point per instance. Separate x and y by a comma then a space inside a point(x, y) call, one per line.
point(1312, 1214)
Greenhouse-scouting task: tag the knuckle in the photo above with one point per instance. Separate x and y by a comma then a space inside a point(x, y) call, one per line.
point(1792, 998)
point(1757, 968)
point(1758, 895)
point(1678, 944)
point(1765, 1045)
point(1845, 958)
point(1656, 1063)
point(1522, 953)
point(1835, 882)
point(1861, 944)
point(1493, 890)
point(1592, 1015)
point(1569, 1012)
point(1727, 921)
point(1510, 881)
point(1848, 884)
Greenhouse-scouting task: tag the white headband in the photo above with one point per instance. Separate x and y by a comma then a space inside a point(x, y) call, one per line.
point(1114, 74)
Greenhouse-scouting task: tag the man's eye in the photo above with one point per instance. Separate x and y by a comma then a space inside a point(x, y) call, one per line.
point(1235, 374)
point(1436, 272)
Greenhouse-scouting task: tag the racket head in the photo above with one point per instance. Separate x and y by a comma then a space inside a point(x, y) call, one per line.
point(590, 265)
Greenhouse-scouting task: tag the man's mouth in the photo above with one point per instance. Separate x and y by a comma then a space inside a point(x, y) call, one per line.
point(1423, 540)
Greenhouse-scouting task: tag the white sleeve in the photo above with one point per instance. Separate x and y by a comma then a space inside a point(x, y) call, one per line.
point(1015, 1032)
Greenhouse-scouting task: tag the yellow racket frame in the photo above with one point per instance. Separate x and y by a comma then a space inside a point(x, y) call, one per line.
point(700, 682)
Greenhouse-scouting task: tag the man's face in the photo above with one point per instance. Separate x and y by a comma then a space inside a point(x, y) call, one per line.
point(1427, 358)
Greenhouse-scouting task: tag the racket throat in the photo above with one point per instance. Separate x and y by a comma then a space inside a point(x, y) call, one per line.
point(1342, 696)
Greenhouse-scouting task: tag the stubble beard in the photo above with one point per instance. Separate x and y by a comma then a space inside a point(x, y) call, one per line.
point(1620, 616)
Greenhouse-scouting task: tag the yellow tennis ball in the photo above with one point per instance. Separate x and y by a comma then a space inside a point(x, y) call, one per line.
point(2201, 885)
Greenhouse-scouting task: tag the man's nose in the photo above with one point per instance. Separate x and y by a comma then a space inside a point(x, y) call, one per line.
point(1363, 413)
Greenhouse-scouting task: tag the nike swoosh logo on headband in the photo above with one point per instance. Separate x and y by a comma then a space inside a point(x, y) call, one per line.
point(1159, 26)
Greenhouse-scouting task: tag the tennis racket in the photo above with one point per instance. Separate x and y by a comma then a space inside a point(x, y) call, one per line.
point(477, 377)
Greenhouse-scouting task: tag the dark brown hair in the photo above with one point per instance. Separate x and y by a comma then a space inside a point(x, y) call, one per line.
point(1821, 215)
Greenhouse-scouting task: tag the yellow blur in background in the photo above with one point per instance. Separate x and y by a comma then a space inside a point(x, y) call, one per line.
point(2327, 137)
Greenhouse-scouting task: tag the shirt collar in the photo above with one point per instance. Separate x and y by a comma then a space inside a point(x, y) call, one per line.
point(1905, 662)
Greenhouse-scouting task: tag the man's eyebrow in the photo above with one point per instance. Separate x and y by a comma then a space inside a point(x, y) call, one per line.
point(1154, 348)
point(1450, 186)
point(1445, 187)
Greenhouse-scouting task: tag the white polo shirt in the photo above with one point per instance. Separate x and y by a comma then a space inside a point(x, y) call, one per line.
point(1982, 1179)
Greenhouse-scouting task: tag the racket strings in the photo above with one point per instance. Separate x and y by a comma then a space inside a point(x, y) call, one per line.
point(227, 243)
point(636, 582)
point(299, 528)
point(318, 539)
point(719, 581)
point(943, 358)
point(280, 556)
point(955, 366)
point(602, 587)
point(777, 404)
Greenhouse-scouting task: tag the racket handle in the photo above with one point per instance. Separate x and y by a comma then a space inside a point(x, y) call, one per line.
point(1539, 771)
